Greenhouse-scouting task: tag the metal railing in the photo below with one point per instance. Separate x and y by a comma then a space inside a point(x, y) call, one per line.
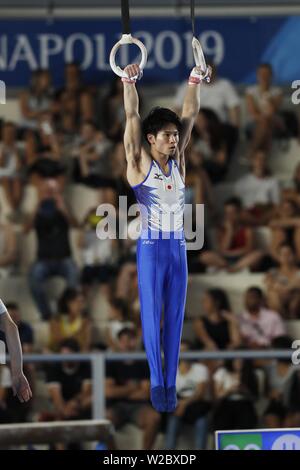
point(98, 360)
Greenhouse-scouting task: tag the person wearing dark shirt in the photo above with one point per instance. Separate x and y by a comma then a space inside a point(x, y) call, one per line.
point(69, 385)
point(51, 222)
point(127, 390)
point(218, 327)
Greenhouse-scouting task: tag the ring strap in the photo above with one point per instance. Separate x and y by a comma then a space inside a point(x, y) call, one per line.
point(125, 17)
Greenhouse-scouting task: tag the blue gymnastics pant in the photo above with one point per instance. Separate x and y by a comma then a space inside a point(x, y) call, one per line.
point(162, 276)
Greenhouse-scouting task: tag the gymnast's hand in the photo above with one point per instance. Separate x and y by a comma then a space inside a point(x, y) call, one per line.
point(21, 387)
point(198, 75)
point(133, 72)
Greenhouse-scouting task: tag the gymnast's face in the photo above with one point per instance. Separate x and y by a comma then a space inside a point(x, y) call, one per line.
point(166, 140)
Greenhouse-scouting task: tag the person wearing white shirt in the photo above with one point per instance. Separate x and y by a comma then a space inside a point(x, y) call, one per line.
point(191, 386)
point(263, 103)
point(259, 191)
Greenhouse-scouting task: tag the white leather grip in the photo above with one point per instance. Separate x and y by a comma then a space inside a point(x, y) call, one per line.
point(199, 56)
point(127, 39)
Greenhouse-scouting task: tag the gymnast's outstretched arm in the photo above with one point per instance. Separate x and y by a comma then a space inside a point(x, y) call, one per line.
point(132, 136)
point(20, 384)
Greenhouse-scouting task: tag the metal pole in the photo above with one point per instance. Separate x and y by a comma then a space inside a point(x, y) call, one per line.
point(98, 378)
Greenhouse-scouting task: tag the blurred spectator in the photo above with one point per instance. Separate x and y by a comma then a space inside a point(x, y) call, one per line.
point(258, 190)
point(293, 304)
point(211, 144)
point(263, 103)
point(10, 166)
point(92, 165)
point(118, 320)
point(127, 389)
point(283, 389)
point(191, 384)
point(285, 227)
point(258, 324)
point(51, 222)
point(235, 389)
point(235, 242)
point(74, 97)
point(293, 194)
point(71, 322)
point(281, 281)
point(69, 385)
point(25, 330)
point(127, 287)
point(218, 327)
point(44, 143)
point(99, 256)
point(113, 111)
point(37, 100)
point(8, 248)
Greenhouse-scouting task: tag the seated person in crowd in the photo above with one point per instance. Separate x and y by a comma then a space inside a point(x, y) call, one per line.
point(98, 255)
point(118, 320)
point(92, 165)
point(259, 325)
point(8, 247)
point(263, 103)
point(127, 389)
point(282, 280)
point(235, 242)
point(74, 96)
point(192, 386)
point(51, 221)
point(69, 385)
point(43, 143)
point(209, 140)
point(11, 166)
point(235, 390)
point(71, 321)
point(293, 194)
point(217, 328)
point(285, 228)
point(283, 381)
point(258, 191)
point(37, 100)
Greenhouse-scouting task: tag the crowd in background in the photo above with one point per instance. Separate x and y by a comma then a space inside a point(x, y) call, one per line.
point(73, 136)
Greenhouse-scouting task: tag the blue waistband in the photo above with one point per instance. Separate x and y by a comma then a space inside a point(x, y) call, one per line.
point(149, 234)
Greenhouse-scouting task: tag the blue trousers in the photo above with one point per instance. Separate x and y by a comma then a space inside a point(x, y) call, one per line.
point(41, 271)
point(162, 276)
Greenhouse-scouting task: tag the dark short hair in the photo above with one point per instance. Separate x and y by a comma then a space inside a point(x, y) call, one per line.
point(70, 343)
point(127, 332)
point(234, 201)
point(219, 298)
point(265, 65)
point(157, 119)
point(68, 295)
point(257, 291)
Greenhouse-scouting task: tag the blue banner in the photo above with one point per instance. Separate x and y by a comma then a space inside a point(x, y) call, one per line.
point(237, 45)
